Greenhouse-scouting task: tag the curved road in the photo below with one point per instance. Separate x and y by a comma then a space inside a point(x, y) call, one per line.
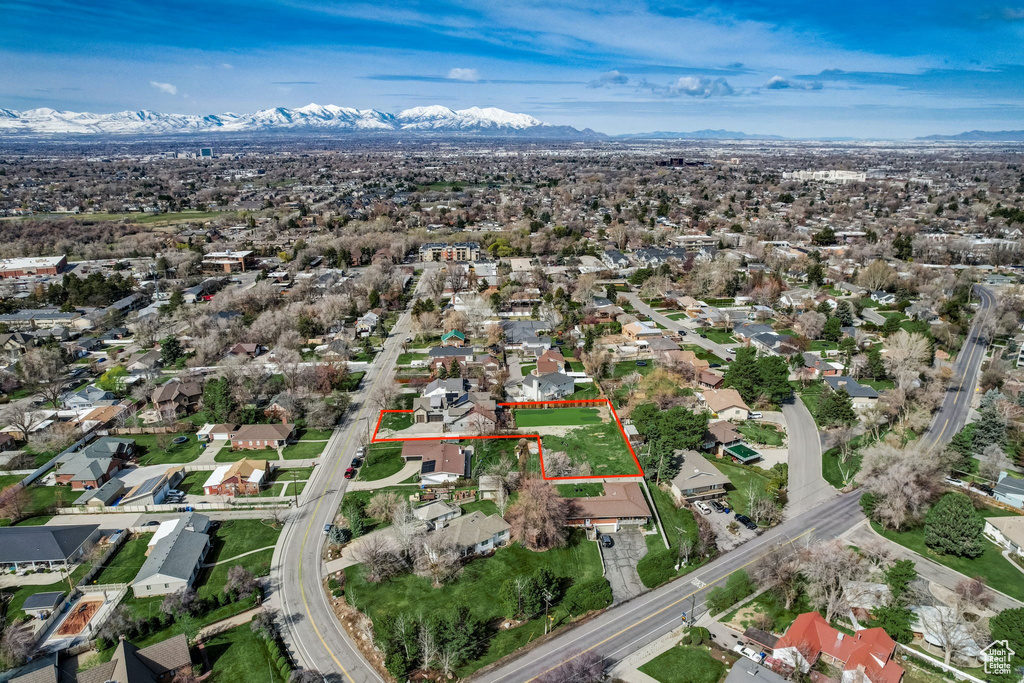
point(317, 640)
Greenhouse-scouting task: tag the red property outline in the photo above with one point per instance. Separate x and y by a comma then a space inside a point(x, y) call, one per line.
point(540, 449)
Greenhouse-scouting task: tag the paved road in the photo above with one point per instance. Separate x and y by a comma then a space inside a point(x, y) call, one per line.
point(312, 632)
point(807, 488)
point(634, 624)
point(952, 415)
point(692, 337)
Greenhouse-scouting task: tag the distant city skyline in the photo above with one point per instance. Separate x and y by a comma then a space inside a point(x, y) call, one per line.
point(870, 69)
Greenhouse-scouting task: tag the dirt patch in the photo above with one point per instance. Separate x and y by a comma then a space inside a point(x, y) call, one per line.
point(79, 616)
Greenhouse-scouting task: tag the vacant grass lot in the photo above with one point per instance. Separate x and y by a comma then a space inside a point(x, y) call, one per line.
point(601, 445)
point(238, 654)
point(684, 665)
point(620, 370)
point(42, 499)
point(704, 354)
point(478, 589)
point(658, 565)
point(382, 460)
point(991, 566)
point(396, 421)
point(158, 449)
point(720, 336)
point(588, 490)
point(535, 417)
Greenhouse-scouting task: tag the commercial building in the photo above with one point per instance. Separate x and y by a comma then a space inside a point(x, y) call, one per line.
point(36, 265)
point(460, 251)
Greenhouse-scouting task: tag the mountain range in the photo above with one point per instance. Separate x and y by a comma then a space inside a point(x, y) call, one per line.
point(981, 136)
point(312, 117)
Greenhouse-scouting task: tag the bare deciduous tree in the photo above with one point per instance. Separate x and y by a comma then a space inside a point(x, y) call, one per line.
point(438, 559)
point(904, 481)
point(828, 566)
point(539, 515)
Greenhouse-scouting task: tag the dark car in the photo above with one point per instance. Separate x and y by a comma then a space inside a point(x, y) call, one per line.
point(718, 507)
point(729, 359)
point(357, 462)
point(745, 521)
point(641, 363)
point(715, 365)
point(151, 522)
point(606, 541)
point(984, 488)
point(350, 472)
point(682, 333)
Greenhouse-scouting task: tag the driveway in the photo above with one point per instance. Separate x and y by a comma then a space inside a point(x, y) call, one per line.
point(725, 539)
point(620, 564)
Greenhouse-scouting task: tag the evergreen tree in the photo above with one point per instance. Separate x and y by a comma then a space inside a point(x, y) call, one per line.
point(891, 325)
point(743, 374)
point(989, 429)
point(832, 331)
point(374, 298)
point(454, 369)
point(170, 350)
point(218, 399)
point(835, 408)
point(773, 378)
point(895, 620)
point(954, 527)
point(845, 313)
point(876, 368)
point(1008, 625)
point(899, 577)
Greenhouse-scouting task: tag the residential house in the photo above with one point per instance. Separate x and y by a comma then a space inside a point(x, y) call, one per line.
point(177, 398)
point(865, 657)
point(815, 366)
point(1010, 490)
point(252, 437)
point(525, 335)
point(283, 407)
point(551, 361)
point(749, 671)
point(367, 323)
point(146, 362)
point(108, 494)
point(710, 380)
point(175, 556)
point(477, 533)
point(437, 513)
point(638, 330)
point(246, 349)
point(50, 547)
point(861, 395)
point(157, 663)
point(449, 403)
point(441, 462)
point(883, 298)
point(622, 504)
point(698, 478)
point(727, 404)
point(747, 331)
point(14, 345)
point(107, 446)
point(851, 289)
point(720, 436)
point(153, 490)
point(614, 259)
point(453, 338)
point(243, 478)
point(772, 344)
point(87, 397)
point(660, 345)
point(689, 358)
point(551, 387)
point(216, 432)
point(83, 472)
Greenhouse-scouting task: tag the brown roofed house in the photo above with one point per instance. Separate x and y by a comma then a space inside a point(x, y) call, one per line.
point(710, 380)
point(441, 462)
point(175, 398)
point(262, 436)
point(621, 504)
point(157, 663)
point(550, 361)
point(721, 435)
point(726, 403)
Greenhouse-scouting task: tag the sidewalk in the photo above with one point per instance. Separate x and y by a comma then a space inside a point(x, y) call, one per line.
point(231, 622)
point(410, 468)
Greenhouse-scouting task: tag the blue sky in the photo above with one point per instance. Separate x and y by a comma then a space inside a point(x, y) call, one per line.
point(866, 69)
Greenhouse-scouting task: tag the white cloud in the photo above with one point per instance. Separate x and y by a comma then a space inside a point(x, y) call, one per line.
point(225, 65)
point(694, 86)
point(780, 83)
point(609, 78)
point(165, 87)
point(458, 74)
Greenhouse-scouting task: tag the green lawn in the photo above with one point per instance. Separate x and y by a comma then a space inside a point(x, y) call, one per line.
point(704, 354)
point(991, 566)
point(42, 499)
point(536, 417)
point(396, 422)
point(832, 470)
point(304, 450)
point(238, 654)
point(761, 433)
point(588, 391)
point(227, 455)
point(193, 483)
point(822, 345)
point(8, 480)
point(658, 565)
point(408, 358)
point(684, 665)
point(527, 369)
point(478, 589)
point(620, 370)
point(878, 384)
point(314, 434)
point(588, 490)
point(126, 562)
point(158, 449)
point(382, 460)
point(143, 608)
point(810, 394)
point(720, 336)
point(741, 477)
point(601, 445)
point(489, 451)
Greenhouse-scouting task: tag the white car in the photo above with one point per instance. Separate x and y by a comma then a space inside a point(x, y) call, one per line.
point(756, 416)
point(747, 652)
point(704, 508)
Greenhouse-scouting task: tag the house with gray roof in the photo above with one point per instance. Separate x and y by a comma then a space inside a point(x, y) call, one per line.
point(175, 558)
point(156, 663)
point(38, 604)
point(860, 394)
point(698, 478)
point(1010, 490)
point(88, 397)
point(550, 387)
point(36, 547)
point(477, 533)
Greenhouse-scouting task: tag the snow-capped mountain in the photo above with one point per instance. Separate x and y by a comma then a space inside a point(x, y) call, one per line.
point(312, 117)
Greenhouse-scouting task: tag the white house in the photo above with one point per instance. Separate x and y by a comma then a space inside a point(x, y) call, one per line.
point(551, 387)
point(1007, 532)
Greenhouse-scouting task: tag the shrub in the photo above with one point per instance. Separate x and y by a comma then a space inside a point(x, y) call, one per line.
point(699, 635)
point(587, 596)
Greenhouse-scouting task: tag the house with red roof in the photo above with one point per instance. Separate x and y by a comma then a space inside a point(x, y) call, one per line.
point(865, 656)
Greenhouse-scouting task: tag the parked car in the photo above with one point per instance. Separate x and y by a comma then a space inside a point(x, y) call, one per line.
point(718, 507)
point(954, 481)
point(327, 528)
point(756, 415)
point(984, 488)
point(744, 651)
point(682, 333)
point(746, 521)
point(357, 461)
point(641, 363)
point(607, 541)
point(703, 507)
point(152, 522)
point(714, 365)
point(728, 359)
point(350, 472)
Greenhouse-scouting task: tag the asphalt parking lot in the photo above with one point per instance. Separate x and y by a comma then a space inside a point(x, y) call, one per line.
point(726, 539)
point(620, 564)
